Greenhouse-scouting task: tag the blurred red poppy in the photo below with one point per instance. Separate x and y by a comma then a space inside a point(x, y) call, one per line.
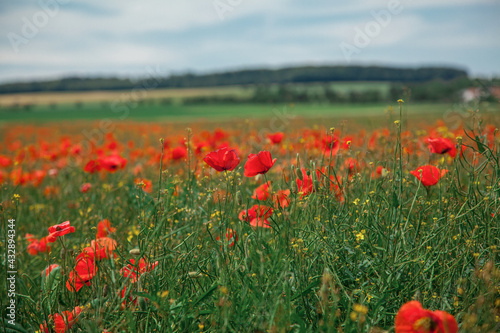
point(258, 163)
point(428, 174)
point(352, 165)
point(83, 272)
point(62, 322)
point(145, 184)
point(104, 228)
point(276, 137)
point(281, 199)
point(380, 172)
point(305, 184)
point(92, 166)
point(412, 318)
point(101, 248)
point(36, 246)
point(442, 146)
point(222, 159)
point(331, 143)
point(257, 216)
point(112, 163)
point(135, 270)
point(179, 153)
point(262, 192)
point(85, 187)
point(231, 237)
point(5, 161)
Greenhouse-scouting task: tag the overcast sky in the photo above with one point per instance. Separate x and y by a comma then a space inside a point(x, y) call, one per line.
point(132, 38)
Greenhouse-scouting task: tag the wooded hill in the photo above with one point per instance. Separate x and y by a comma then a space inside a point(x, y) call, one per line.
point(302, 74)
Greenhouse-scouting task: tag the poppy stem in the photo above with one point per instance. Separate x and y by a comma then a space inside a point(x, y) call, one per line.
point(161, 169)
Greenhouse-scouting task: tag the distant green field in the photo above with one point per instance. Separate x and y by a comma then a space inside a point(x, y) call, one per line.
point(208, 111)
point(341, 87)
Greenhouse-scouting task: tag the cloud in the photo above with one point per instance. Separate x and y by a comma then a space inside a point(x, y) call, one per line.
point(117, 38)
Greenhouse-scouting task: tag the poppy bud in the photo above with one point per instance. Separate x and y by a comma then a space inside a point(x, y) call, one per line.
point(135, 252)
point(313, 167)
point(142, 303)
point(62, 253)
point(51, 277)
point(239, 198)
point(299, 174)
point(105, 290)
point(298, 161)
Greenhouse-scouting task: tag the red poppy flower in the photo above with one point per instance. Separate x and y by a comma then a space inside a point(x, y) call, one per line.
point(442, 146)
point(347, 142)
point(104, 228)
point(276, 137)
point(134, 271)
point(281, 199)
point(257, 216)
point(305, 185)
point(258, 163)
point(331, 143)
point(76, 149)
point(33, 248)
point(37, 177)
point(262, 192)
point(112, 163)
point(29, 238)
point(179, 153)
point(19, 177)
point(201, 147)
point(85, 187)
point(101, 248)
point(352, 165)
point(146, 184)
point(92, 166)
point(123, 293)
point(222, 159)
point(412, 318)
point(5, 161)
point(83, 272)
point(59, 230)
point(380, 172)
point(62, 322)
point(37, 246)
point(428, 174)
point(231, 237)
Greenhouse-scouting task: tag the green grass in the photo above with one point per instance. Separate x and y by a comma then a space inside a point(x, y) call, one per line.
point(146, 112)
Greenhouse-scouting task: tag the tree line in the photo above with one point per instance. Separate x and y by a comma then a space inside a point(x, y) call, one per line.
point(304, 74)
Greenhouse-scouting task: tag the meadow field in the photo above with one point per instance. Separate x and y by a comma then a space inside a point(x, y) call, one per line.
point(250, 217)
